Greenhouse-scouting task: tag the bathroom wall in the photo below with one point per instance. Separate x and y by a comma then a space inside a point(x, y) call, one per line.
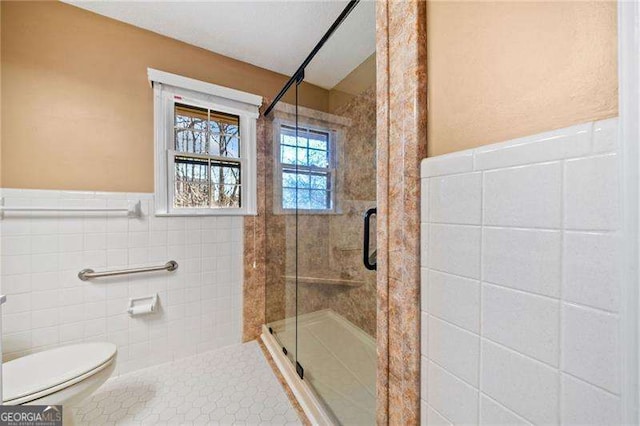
point(255, 244)
point(48, 305)
point(501, 70)
point(77, 114)
point(329, 246)
point(77, 109)
point(356, 82)
point(520, 285)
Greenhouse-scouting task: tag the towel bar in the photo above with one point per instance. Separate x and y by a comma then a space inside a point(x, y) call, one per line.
point(133, 209)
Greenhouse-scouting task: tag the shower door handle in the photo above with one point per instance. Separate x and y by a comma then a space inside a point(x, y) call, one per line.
point(369, 259)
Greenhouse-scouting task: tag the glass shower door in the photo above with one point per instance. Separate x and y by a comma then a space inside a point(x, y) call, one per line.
point(281, 234)
point(336, 289)
point(321, 233)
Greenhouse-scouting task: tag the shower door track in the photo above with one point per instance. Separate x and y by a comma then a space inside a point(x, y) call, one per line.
point(298, 76)
point(306, 397)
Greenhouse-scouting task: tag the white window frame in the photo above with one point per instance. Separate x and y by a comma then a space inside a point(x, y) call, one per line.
point(333, 166)
point(169, 89)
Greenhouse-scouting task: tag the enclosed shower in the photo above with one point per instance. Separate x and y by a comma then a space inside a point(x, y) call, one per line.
point(320, 231)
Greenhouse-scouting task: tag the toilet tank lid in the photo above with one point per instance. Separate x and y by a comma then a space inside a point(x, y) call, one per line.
point(37, 372)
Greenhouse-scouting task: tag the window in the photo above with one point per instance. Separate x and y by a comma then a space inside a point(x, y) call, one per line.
point(205, 158)
point(205, 147)
point(305, 175)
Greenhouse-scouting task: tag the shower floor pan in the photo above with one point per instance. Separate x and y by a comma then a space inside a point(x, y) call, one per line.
point(339, 361)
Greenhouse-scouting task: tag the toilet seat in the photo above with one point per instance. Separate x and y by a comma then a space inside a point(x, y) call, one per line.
point(44, 373)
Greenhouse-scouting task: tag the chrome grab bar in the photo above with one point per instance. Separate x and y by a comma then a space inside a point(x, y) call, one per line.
point(87, 274)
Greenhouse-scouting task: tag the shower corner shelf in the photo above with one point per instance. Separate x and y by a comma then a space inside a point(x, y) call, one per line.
point(325, 281)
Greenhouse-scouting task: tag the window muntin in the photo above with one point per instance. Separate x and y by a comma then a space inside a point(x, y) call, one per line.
point(206, 158)
point(306, 173)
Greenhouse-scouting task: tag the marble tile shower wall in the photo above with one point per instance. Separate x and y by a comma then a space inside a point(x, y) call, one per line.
point(520, 299)
point(47, 305)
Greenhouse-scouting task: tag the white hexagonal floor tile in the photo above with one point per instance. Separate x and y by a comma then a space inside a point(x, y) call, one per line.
point(233, 385)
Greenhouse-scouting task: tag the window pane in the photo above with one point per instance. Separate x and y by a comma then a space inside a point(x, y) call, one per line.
point(225, 174)
point(287, 139)
point(318, 200)
point(226, 196)
point(318, 158)
point(224, 123)
point(224, 134)
point(303, 180)
point(302, 157)
point(318, 140)
point(188, 140)
point(214, 128)
point(225, 181)
point(318, 182)
point(300, 198)
point(304, 199)
point(224, 145)
point(228, 123)
point(288, 198)
point(303, 136)
point(289, 179)
point(229, 129)
point(191, 183)
point(288, 155)
point(302, 139)
point(190, 117)
point(288, 136)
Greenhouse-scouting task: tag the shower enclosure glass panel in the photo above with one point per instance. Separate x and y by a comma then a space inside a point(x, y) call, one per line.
point(321, 180)
point(281, 226)
point(336, 303)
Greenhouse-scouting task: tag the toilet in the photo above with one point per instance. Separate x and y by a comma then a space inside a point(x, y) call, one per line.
point(61, 376)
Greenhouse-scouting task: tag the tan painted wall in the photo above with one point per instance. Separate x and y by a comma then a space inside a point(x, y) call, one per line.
point(77, 109)
point(499, 70)
point(356, 82)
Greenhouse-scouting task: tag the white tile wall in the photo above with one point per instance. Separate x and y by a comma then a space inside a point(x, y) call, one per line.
point(520, 297)
point(524, 196)
point(523, 259)
point(492, 413)
point(47, 305)
point(451, 397)
point(455, 249)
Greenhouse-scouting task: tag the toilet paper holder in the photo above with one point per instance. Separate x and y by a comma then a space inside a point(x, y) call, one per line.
point(142, 305)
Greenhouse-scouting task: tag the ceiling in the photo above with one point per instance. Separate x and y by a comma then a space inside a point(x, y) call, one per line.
point(276, 35)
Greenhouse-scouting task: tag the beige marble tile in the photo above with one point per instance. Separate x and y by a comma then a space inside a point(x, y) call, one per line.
point(401, 55)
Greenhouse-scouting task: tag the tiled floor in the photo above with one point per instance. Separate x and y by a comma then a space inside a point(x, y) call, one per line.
point(234, 385)
point(339, 360)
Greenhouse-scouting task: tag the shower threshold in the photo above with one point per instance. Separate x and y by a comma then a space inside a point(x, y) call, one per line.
point(339, 361)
